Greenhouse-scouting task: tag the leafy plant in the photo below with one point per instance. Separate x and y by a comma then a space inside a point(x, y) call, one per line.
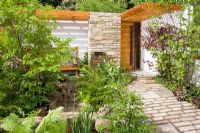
point(127, 116)
point(29, 63)
point(176, 51)
point(52, 123)
point(101, 5)
point(101, 85)
point(84, 122)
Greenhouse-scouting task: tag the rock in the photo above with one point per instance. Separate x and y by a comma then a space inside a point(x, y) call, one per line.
point(43, 111)
point(102, 123)
point(103, 111)
point(56, 99)
point(63, 95)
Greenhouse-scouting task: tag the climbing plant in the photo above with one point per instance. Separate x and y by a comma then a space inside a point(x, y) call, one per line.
point(176, 47)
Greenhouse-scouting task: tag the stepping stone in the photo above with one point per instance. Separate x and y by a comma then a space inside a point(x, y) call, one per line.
point(166, 128)
point(149, 94)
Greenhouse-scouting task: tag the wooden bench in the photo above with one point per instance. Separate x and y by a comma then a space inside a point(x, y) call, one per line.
point(74, 66)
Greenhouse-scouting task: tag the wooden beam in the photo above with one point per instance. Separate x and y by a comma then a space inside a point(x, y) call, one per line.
point(63, 15)
point(147, 10)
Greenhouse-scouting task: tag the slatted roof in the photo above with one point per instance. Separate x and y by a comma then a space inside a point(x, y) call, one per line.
point(147, 10)
point(63, 15)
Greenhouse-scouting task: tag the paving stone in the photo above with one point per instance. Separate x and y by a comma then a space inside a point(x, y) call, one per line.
point(174, 106)
point(161, 122)
point(176, 109)
point(160, 107)
point(170, 115)
point(175, 120)
point(165, 110)
point(157, 118)
point(186, 128)
point(196, 122)
point(166, 128)
point(187, 118)
point(197, 126)
point(159, 114)
point(189, 111)
point(180, 124)
point(188, 114)
point(193, 131)
point(175, 112)
point(150, 94)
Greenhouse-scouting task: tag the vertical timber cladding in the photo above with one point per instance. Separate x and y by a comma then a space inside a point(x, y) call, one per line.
point(127, 45)
point(105, 35)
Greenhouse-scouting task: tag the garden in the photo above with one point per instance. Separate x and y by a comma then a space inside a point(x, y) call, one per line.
point(32, 84)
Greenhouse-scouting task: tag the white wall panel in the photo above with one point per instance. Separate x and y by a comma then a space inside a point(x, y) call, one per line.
point(78, 30)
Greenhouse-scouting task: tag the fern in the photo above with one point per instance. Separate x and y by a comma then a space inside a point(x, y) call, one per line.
point(52, 123)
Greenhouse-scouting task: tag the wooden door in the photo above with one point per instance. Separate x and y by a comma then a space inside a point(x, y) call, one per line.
point(137, 46)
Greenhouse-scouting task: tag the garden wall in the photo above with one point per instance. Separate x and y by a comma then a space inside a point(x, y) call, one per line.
point(105, 34)
point(78, 30)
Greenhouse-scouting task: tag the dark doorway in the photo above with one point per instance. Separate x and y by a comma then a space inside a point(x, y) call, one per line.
point(137, 45)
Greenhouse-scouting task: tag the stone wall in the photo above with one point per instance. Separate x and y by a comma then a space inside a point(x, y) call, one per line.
point(105, 35)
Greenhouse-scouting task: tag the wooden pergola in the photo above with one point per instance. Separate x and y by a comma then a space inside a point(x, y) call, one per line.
point(63, 15)
point(147, 10)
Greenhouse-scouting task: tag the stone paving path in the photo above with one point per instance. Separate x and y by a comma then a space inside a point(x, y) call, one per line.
point(170, 115)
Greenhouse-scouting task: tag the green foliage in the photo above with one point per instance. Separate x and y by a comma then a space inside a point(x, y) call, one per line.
point(127, 116)
point(176, 51)
point(53, 3)
point(194, 91)
point(84, 122)
point(100, 6)
point(177, 48)
point(101, 85)
point(106, 84)
point(52, 123)
point(84, 61)
point(29, 64)
point(14, 124)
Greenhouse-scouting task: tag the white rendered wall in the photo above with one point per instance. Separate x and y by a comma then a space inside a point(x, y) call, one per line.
point(172, 19)
point(78, 30)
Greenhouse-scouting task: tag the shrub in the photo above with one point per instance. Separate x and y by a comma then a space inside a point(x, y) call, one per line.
point(101, 85)
point(127, 116)
point(29, 64)
point(101, 5)
point(176, 51)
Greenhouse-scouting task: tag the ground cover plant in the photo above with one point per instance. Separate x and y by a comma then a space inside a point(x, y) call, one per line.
point(29, 64)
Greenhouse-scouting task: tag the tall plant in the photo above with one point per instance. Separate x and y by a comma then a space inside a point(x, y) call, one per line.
point(29, 63)
point(176, 47)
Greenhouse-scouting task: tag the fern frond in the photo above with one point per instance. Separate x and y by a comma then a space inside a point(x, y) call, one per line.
point(53, 122)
